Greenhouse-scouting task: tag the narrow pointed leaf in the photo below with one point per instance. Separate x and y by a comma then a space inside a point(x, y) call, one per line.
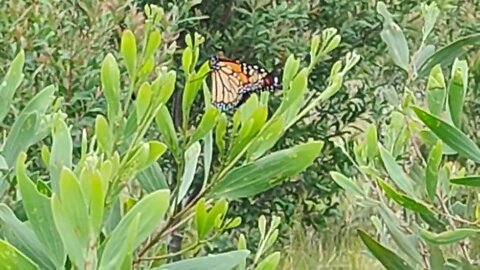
point(386, 256)
point(396, 173)
point(433, 164)
point(472, 181)
point(191, 160)
point(448, 237)
point(10, 83)
point(61, 155)
point(450, 135)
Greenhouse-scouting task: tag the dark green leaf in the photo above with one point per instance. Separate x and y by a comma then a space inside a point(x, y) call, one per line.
point(447, 54)
point(386, 256)
point(450, 135)
point(404, 200)
point(472, 181)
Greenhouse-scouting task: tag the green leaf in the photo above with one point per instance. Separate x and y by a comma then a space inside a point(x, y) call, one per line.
point(192, 86)
point(143, 101)
point(104, 134)
point(12, 258)
point(148, 212)
point(24, 131)
point(191, 160)
point(200, 218)
point(421, 56)
point(433, 165)
point(471, 181)
point(249, 129)
point(372, 142)
point(166, 128)
point(404, 200)
point(222, 261)
point(216, 215)
point(152, 178)
point(10, 83)
point(123, 249)
point(70, 213)
point(447, 237)
point(436, 91)
point(447, 54)
point(20, 137)
point(393, 36)
point(154, 40)
point(61, 155)
point(168, 86)
point(450, 135)
point(39, 212)
point(405, 244)
point(207, 155)
point(396, 173)
point(155, 150)
point(23, 238)
point(187, 56)
point(457, 90)
point(347, 184)
point(128, 48)
point(430, 14)
point(270, 262)
point(293, 100)
point(266, 139)
point(263, 174)
point(110, 77)
point(94, 191)
point(220, 131)
point(291, 68)
point(209, 119)
point(386, 256)
point(436, 259)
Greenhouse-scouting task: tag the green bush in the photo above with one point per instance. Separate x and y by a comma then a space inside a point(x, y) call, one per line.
point(414, 168)
point(115, 205)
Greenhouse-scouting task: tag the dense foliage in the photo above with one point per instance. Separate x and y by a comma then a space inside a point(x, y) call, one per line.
point(385, 129)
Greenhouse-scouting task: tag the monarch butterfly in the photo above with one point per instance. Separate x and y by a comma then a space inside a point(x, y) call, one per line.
point(233, 81)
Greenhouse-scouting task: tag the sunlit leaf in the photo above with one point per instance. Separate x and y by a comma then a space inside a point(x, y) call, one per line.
point(12, 258)
point(191, 160)
point(263, 174)
point(128, 48)
point(222, 261)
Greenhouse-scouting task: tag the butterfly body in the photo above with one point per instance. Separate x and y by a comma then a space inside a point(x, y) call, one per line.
point(233, 81)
